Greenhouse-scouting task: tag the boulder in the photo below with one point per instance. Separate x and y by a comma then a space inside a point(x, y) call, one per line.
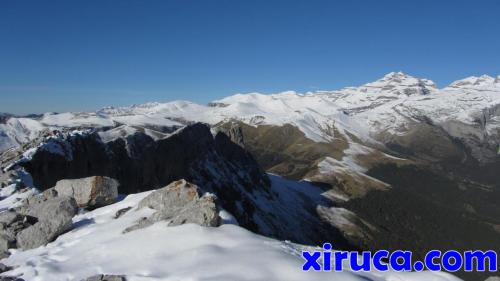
point(91, 192)
point(11, 223)
point(53, 217)
point(172, 197)
point(38, 221)
point(203, 212)
point(178, 203)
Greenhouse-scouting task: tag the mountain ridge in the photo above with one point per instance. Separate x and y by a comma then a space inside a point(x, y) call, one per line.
point(349, 157)
point(388, 105)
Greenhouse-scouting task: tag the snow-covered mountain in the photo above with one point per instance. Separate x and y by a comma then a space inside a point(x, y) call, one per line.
point(467, 109)
point(381, 165)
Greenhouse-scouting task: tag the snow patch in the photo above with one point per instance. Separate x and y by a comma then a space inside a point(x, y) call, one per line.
point(97, 245)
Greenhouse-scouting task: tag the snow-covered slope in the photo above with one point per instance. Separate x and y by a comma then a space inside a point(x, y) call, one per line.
point(96, 245)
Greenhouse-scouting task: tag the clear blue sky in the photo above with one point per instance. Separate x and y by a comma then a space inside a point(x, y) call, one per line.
point(82, 55)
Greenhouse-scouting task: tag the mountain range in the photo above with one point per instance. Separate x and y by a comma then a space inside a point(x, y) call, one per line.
point(397, 163)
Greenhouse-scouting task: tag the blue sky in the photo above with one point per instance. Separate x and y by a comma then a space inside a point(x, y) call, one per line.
point(82, 55)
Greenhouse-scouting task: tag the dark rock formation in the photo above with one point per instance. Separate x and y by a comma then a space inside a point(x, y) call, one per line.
point(122, 212)
point(143, 160)
point(4, 117)
point(140, 162)
point(10, 278)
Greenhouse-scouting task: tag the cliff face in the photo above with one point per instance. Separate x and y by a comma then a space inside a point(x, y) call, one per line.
point(141, 160)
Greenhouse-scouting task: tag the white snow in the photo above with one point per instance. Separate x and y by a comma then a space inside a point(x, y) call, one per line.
point(97, 245)
point(8, 190)
point(349, 165)
point(386, 106)
point(71, 120)
point(17, 131)
point(14, 199)
point(115, 133)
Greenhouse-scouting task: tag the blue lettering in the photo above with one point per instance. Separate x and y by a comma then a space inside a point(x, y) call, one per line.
point(311, 261)
point(405, 256)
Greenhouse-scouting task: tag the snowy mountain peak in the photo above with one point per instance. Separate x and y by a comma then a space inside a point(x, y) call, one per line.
point(395, 75)
point(401, 83)
point(474, 81)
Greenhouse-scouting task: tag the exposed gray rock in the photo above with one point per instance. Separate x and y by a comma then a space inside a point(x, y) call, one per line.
point(6, 242)
point(9, 217)
point(54, 217)
point(6, 178)
point(235, 133)
point(203, 212)
point(10, 278)
point(90, 192)
point(105, 277)
point(50, 193)
point(4, 268)
point(178, 203)
point(172, 197)
point(11, 223)
point(121, 212)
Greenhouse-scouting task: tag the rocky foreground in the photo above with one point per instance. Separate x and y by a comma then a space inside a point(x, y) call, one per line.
point(178, 232)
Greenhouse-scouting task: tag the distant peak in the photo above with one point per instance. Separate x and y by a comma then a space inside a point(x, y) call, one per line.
point(485, 76)
point(402, 83)
point(400, 77)
point(398, 74)
point(483, 80)
point(145, 105)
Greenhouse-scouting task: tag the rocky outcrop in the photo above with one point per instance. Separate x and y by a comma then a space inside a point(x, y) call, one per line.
point(38, 221)
point(10, 224)
point(178, 203)
point(143, 161)
point(53, 214)
point(235, 133)
point(90, 192)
